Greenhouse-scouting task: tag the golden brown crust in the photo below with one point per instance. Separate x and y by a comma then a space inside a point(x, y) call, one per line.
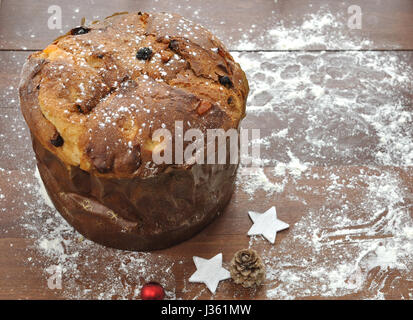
point(90, 101)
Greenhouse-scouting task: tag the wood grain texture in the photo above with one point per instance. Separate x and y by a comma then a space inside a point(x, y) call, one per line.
point(24, 23)
point(341, 179)
point(24, 279)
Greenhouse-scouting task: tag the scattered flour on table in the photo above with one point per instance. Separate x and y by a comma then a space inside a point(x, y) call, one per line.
point(338, 104)
point(256, 178)
point(321, 110)
point(338, 113)
point(349, 249)
point(325, 29)
point(112, 274)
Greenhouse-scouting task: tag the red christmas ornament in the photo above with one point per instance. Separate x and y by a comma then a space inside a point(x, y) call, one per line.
point(152, 291)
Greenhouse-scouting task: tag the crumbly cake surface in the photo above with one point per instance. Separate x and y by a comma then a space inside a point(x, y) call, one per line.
point(94, 97)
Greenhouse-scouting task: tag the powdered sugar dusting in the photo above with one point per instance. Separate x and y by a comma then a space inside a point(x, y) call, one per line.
point(351, 248)
point(328, 107)
point(335, 126)
point(112, 274)
point(322, 29)
point(323, 108)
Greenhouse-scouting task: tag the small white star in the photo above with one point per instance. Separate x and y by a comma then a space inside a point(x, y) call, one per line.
point(266, 224)
point(209, 272)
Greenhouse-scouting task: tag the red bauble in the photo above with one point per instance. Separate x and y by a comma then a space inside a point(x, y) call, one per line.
point(152, 291)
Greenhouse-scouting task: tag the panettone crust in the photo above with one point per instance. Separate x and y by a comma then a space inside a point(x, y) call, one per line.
point(103, 103)
point(92, 100)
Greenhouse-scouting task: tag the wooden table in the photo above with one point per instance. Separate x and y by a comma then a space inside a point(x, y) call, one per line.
point(333, 104)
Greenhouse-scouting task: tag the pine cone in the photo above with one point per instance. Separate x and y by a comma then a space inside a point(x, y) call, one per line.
point(247, 268)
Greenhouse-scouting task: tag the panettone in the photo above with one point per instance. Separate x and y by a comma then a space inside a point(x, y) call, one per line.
point(92, 101)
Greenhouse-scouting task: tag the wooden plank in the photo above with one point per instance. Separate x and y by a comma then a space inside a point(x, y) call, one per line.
point(256, 25)
point(116, 274)
point(11, 64)
point(15, 151)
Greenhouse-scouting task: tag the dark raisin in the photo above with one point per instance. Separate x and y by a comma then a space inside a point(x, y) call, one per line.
point(100, 56)
point(225, 81)
point(79, 30)
point(230, 99)
point(173, 45)
point(58, 141)
point(79, 108)
point(38, 87)
point(144, 53)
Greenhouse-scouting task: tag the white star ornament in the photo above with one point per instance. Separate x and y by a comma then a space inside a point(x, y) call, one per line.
point(209, 272)
point(266, 224)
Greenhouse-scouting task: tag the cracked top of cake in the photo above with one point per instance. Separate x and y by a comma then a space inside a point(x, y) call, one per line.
point(95, 95)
